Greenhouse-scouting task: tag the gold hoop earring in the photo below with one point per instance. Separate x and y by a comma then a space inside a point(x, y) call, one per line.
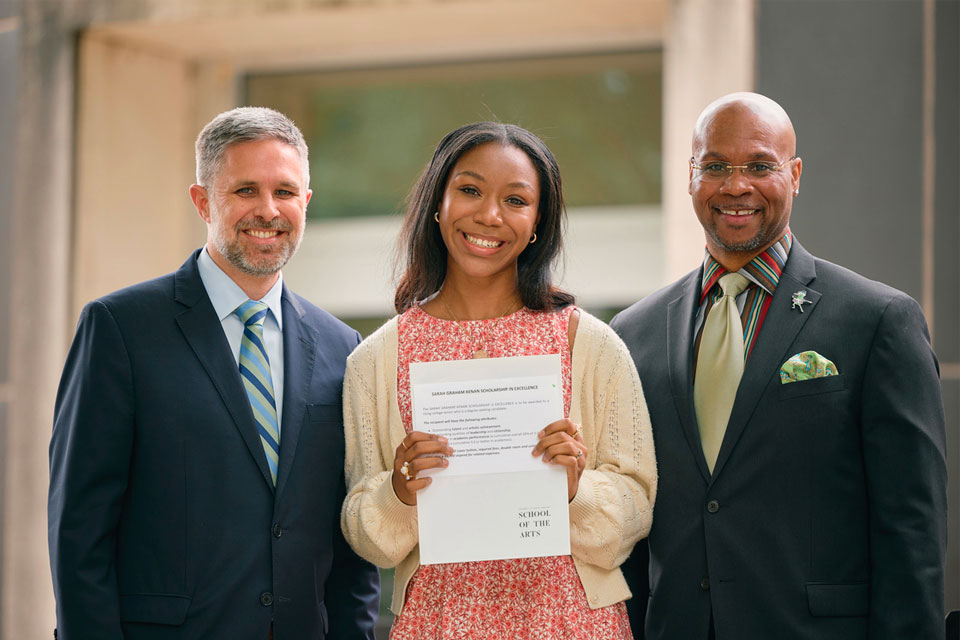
point(436, 216)
point(533, 238)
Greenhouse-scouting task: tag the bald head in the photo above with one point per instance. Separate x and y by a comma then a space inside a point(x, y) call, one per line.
point(744, 107)
point(743, 212)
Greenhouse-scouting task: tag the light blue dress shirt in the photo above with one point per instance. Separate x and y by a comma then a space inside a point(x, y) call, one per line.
point(226, 296)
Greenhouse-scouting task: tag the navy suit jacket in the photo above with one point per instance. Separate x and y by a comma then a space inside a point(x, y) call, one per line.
point(163, 519)
point(825, 516)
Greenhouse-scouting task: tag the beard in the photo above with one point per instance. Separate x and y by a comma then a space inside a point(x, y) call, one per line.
point(758, 241)
point(252, 260)
point(769, 231)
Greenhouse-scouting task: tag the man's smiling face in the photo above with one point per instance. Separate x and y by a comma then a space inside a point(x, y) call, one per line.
point(742, 215)
point(256, 207)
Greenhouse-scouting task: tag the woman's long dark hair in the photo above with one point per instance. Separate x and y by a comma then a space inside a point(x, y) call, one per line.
point(421, 246)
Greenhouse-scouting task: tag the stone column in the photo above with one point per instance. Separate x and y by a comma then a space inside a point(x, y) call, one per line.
point(40, 241)
point(708, 52)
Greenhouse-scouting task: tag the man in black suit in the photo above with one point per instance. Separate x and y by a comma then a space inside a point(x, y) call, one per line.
point(802, 491)
point(196, 464)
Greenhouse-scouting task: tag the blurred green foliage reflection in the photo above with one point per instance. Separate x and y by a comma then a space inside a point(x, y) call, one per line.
point(371, 132)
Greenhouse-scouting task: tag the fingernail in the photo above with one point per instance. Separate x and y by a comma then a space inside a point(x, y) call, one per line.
point(540, 435)
point(442, 439)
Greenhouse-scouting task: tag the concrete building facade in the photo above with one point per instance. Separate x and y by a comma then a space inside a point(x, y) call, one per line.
point(100, 101)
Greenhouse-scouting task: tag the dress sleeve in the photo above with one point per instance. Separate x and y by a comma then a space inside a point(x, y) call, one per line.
point(376, 524)
point(613, 508)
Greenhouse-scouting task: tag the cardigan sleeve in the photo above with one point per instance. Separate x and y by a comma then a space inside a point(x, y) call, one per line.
point(378, 526)
point(613, 508)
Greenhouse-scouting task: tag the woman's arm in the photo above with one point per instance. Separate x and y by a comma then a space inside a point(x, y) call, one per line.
point(613, 508)
point(378, 526)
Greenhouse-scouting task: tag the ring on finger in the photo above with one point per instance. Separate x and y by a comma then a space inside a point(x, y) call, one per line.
point(405, 470)
point(403, 444)
point(579, 453)
point(577, 432)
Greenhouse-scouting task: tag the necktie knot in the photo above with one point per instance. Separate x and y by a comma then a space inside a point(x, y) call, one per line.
point(733, 284)
point(252, 313)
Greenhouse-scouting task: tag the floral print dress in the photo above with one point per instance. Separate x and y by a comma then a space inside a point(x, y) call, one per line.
point(527, 598)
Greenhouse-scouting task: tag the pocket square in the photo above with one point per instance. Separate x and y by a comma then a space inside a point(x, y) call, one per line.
point(806, 365)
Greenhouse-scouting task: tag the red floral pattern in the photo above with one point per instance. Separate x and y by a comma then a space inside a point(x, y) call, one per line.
point(527, 598)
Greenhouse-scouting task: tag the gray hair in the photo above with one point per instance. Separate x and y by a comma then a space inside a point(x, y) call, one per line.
point(245, 124)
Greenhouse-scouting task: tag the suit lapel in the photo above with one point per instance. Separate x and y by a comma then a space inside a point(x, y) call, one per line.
point(299, 353)
point(779, 330)
point(681, 317)
point(204, 333)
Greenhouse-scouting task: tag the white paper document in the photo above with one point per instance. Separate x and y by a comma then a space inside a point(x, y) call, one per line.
point(495, 500)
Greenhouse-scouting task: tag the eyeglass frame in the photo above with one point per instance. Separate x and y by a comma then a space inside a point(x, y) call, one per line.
point(775, 168)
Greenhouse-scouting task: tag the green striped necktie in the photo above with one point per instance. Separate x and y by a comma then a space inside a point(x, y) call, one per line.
point(255, 372)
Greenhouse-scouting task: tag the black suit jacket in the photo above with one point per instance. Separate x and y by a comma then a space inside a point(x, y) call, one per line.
point(163, 519)
point(825, 517)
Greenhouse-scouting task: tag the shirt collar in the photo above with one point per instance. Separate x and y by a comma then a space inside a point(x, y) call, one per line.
point(226, 295)
point(764, 270)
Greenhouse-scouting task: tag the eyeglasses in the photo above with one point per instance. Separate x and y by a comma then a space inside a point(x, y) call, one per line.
point(757, 170)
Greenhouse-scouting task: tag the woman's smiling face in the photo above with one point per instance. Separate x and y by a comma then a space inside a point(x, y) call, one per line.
point(489, 211)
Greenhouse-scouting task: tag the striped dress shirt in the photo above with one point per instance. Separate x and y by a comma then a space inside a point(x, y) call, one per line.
point(763, 272)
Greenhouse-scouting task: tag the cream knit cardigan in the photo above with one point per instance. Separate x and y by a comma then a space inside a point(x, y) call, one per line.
point(612, 510)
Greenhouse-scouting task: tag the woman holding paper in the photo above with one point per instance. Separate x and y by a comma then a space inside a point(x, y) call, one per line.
point(482, 231)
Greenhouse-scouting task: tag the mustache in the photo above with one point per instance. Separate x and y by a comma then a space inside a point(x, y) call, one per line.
point(256, 222)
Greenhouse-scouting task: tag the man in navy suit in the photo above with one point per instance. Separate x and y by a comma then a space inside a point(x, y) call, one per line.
point(196, 464)
point(808, 502)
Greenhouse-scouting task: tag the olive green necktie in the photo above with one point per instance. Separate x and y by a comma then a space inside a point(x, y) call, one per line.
point(719, 366)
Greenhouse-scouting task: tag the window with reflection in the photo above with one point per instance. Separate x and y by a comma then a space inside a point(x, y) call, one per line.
point(371, 131)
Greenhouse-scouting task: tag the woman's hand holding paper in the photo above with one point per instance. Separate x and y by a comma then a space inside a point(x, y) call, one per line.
point(417, 452)
point(561, 443)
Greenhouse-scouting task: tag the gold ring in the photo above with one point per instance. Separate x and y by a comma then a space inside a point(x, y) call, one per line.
point(404, 444)
point(577, 432)
point(405, 470)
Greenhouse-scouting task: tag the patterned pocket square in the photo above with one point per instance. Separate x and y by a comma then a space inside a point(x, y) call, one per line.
point(806, 365)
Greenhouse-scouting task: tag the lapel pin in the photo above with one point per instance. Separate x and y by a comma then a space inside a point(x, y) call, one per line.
point(799, 299)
